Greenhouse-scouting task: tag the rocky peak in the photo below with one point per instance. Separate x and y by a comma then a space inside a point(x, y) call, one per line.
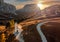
point(6, 10)
point(1, 2)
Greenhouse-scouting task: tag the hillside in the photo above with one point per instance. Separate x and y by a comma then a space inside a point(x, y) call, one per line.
point(6, 10)
point(29, 11)
point(51, 11)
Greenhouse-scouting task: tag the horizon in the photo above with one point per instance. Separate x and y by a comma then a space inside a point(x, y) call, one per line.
point(21, 3)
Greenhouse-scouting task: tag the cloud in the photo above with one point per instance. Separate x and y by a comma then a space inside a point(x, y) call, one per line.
point(21, 3)
point(17, 2)
point(23, 0)
point(10, 1)
point(50, 0)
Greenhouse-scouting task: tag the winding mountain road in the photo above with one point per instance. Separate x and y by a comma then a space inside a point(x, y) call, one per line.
point(43, 38)
point(17, 32)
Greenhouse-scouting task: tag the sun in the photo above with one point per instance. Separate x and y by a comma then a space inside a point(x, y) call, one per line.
point(40, 5)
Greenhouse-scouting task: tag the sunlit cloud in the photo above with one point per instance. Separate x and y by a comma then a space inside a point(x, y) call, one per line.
point(23, 0)
point(26, 1)
point(21, 3)
point(51, 0)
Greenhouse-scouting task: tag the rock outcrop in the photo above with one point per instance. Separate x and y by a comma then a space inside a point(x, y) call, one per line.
point(6, 10)
point(29, 11)
point(51, 11)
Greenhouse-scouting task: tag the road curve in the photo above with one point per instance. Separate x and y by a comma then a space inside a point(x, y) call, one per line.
point(17, 32)
point(43, 38)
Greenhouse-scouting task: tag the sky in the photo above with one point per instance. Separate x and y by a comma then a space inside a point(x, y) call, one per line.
point(16, 2)
point(21, 3)
point(25, 1)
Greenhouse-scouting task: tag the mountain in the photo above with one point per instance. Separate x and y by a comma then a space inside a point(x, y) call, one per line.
point(51, 11)
point(6, 10)
point(29, 11)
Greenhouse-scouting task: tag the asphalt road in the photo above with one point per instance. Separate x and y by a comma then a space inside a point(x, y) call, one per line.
point(39, 29)
point(17, 32)
point(43, 38)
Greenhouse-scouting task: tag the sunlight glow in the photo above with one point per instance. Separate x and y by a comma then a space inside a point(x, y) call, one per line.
point(40, 5)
